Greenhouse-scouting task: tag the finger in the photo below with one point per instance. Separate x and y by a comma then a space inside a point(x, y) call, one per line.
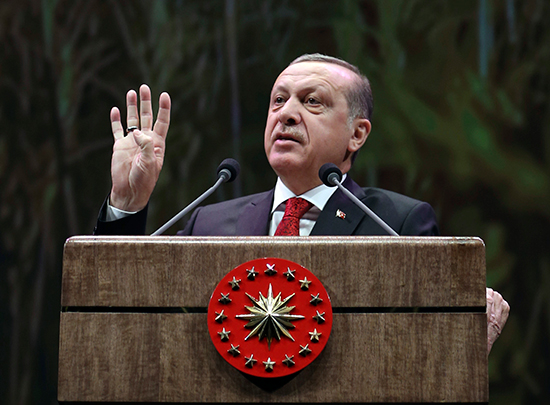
point(490, 303)
point(163, 117)
point(497, 308)
point(505, 311)
point(132, 119)
point(146, 108)
point(116, 125)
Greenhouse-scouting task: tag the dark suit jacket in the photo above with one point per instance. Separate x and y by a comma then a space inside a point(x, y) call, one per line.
point(250, 215)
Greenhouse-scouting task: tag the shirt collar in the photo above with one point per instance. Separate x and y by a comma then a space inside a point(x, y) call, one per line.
point(318, 196)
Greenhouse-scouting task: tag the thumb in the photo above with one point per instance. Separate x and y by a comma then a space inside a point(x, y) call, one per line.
point(144, 142)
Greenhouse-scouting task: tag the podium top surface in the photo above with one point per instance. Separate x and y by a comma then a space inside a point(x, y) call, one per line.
point(358, 272)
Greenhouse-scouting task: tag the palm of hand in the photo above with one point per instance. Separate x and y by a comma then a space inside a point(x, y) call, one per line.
point(135, 171)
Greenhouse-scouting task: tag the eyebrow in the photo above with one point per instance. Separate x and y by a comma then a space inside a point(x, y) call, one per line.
point(309, 89)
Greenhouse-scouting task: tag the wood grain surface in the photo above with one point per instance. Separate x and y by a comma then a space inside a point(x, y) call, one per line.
point(356, 271)
point(403, 357)
point(144, 353)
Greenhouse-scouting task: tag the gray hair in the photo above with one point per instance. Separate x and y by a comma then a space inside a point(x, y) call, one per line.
point(359, 95)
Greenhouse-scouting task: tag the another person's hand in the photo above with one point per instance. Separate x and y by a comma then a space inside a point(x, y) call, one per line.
point(139, 154)
point(497, 314)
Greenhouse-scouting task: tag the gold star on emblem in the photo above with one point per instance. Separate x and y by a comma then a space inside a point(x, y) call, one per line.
point(319, 317)
point(315, 299)
point(304, 284)
point(269, 364)
point(289, 274)
point(225, 298)
point(224, 335)
point(270, 270)
point(314, 336)
point(304, 350)
point(234, 351)
point(249, 361)
point(220, 317)
point(269, 317)
point(251, 274)
point(288, 361)
point(235, 283)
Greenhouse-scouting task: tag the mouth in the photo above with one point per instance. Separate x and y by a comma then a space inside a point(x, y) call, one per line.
point(288, 137)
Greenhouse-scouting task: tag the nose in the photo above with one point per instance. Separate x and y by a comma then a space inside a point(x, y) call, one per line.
point(289, 114)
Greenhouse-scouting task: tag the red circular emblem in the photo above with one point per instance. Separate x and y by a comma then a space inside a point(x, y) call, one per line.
point(269, 317)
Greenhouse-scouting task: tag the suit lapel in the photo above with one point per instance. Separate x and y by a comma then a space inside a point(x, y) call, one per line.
point(350, 215)
point(254, 218)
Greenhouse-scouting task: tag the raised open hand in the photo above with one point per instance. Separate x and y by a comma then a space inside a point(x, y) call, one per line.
point(139, 154)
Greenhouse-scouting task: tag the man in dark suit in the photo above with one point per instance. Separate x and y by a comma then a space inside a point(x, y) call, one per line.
point(319, 112)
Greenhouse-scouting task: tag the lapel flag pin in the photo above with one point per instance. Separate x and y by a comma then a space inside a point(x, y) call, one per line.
point(340, 214)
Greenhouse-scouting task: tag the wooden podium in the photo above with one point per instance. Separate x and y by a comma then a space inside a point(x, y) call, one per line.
point(409, 320)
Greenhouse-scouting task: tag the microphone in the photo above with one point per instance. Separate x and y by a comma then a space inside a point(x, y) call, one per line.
point(228, 170)
point(331, 176)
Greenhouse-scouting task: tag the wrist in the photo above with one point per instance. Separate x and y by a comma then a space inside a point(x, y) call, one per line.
point(128, 205)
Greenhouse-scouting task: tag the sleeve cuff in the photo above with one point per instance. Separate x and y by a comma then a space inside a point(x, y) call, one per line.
point(112, 213)
point(132, 224)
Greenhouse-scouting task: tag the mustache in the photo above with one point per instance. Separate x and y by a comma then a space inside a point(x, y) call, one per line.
point(293, 132)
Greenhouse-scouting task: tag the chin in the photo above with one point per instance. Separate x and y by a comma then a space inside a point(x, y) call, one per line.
point(284, 164)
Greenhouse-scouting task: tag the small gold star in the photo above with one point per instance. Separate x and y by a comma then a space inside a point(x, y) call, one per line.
point(304, 284)
point(220, 317)
point(225, 298)
point(251, 274)
point(270, 270)
point(304, 350)
point(224, 335)
point(319, 317)
point(288, 361)
point(269, 364)
point(289, 274)
point(234, 351)
point(235, 283)
point(314, 336)
point(315, 299)
point(249, 361)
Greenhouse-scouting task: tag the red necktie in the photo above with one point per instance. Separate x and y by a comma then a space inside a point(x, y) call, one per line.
point(290, 224)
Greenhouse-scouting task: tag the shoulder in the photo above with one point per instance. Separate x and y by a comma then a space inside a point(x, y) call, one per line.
point(408, 216)
point(391, 198)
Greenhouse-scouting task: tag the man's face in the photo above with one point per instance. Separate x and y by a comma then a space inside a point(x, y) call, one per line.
point(307, 123)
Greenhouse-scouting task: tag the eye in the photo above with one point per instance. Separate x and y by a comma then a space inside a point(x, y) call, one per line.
point(278, 100)
point(312, 101)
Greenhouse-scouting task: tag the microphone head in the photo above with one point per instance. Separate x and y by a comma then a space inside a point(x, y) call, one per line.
point(328, 173)
point(229, 169)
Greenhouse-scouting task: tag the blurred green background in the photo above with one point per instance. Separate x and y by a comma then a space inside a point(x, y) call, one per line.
point(461, 120)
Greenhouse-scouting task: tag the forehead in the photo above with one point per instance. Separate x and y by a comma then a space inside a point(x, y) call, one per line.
point(315, 74)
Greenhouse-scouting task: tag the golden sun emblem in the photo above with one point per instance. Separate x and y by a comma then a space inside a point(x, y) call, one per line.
point(269, 317)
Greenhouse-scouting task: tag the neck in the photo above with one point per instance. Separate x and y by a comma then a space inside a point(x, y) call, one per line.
point(298, 187)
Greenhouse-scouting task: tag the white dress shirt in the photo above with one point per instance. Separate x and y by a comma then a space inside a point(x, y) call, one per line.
point(318, 196)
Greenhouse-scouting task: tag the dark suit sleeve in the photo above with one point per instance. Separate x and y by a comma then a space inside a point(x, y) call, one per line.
point(188, 230)
point(420, 221)
point(131, 225)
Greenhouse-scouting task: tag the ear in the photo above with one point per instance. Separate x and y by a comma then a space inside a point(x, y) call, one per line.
point(361, 131)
